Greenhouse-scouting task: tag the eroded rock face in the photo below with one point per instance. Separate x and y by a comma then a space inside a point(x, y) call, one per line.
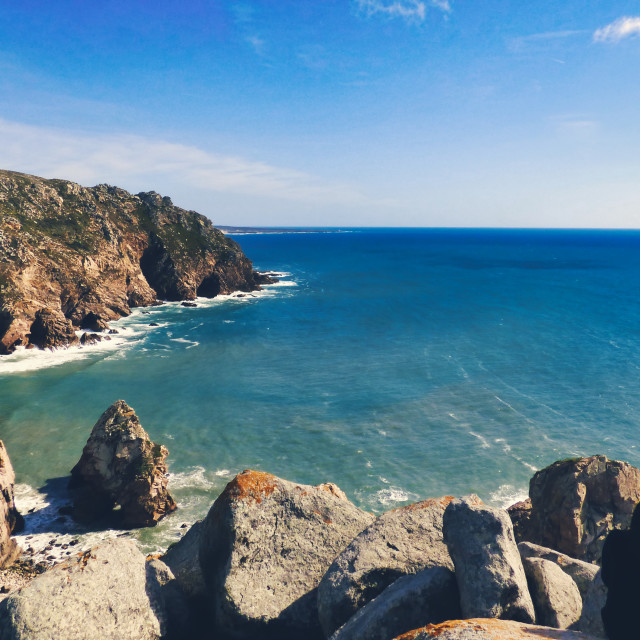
point(9, 516)
point(121, 466)
point(106, 593)
point(265, 545)
point(488, 567)
point(575, 503)
point(412, 601)
point(75, 257)
point(402, 541)
point(555, 595)
point(489, 629)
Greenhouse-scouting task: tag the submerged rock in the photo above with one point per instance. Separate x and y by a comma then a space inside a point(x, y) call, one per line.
point(10, 519)
point(489, 570)
point(121, 466)
point(490, 629)
point(107, 593)
point(402, 541)
point(265, 545)
point(576, 502)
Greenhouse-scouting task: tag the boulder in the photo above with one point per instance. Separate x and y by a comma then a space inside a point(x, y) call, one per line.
point(583, 573)
point(121, 466)
point(105, 593)
point(183, 558)
point(92, 338)
point(411, 601)
point(576, 502)
point(490, 629)
point(593, 602)
point(9, 516)
point(520, 514)
point(264, 546)
point(401, 541)
point(488, 567)
point(50, 329)
point(555, 595)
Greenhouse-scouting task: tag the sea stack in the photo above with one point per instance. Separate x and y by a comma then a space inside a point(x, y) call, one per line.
point(120, 465)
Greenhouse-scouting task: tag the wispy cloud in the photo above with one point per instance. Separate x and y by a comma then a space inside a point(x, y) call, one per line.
point(620, 29)
point(141, 163)
point(410, 10)
point(544, 39)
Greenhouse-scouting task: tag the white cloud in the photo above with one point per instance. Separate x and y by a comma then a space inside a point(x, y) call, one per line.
point(140, 164)
point(412, 10)
point(625, 27)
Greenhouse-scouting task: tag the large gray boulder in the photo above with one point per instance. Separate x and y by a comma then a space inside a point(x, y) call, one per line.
point(488, 567)
point(121, 466)
point(583, 573)
point(555, 595)
point(490, 629)
point(412, 601)
point(105, 593)
point(183, 558)
point(264, 546)
point(576, 502)
point(401, 541)
point(9, 550)
point(592, 603)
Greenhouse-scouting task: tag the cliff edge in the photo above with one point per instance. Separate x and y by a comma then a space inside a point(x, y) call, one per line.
point(74, 257)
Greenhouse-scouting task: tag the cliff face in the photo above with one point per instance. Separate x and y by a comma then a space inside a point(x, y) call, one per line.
point(74, 257)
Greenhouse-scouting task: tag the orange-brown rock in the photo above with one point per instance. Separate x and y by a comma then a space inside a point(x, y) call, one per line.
point(490, 629)
point(576, 502)
point(9, 550)
point(75, 257)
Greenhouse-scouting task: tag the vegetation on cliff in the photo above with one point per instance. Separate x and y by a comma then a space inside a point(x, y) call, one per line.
point(74, 257)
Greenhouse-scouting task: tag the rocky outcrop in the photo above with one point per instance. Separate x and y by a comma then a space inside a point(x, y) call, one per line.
point(405, 540)
point(105, 593)
point(121, 466)
point(555, 595)
point(265, 545)
point(488, 568)
point(593, 601)
point(489, 629)
point(576, 502)
point(183, 558)
point(411, 601)
point(9, 516)
point(74, 257)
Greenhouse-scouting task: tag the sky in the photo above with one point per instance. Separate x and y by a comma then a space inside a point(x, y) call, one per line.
point(419, 113)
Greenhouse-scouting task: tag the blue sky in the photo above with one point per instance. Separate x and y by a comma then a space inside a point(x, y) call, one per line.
point(334, 113)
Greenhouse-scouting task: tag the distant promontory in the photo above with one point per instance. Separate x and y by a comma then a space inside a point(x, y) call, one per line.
point(73, 257)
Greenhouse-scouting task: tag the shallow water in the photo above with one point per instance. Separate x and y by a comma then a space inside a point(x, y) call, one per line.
point(399, 364)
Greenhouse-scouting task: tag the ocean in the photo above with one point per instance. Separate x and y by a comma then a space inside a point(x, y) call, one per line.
point(401, 364)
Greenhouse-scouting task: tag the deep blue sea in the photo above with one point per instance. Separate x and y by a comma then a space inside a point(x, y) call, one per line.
point(400, 364)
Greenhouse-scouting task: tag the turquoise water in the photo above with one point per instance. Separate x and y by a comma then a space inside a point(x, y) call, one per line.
point(399, 364)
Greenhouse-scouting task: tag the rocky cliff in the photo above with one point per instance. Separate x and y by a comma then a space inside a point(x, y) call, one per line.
point(74, 257)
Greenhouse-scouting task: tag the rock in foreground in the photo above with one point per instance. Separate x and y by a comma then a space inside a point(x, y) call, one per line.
point(265, 545)
point(489, 570)
point(402, 541)
point(9, 516)
point(489, 629)
point(411, 601)
point(121, 466)
point(105, 594)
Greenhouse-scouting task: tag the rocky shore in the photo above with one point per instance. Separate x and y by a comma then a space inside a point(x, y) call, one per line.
point(276, 559)
point(77, 258)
